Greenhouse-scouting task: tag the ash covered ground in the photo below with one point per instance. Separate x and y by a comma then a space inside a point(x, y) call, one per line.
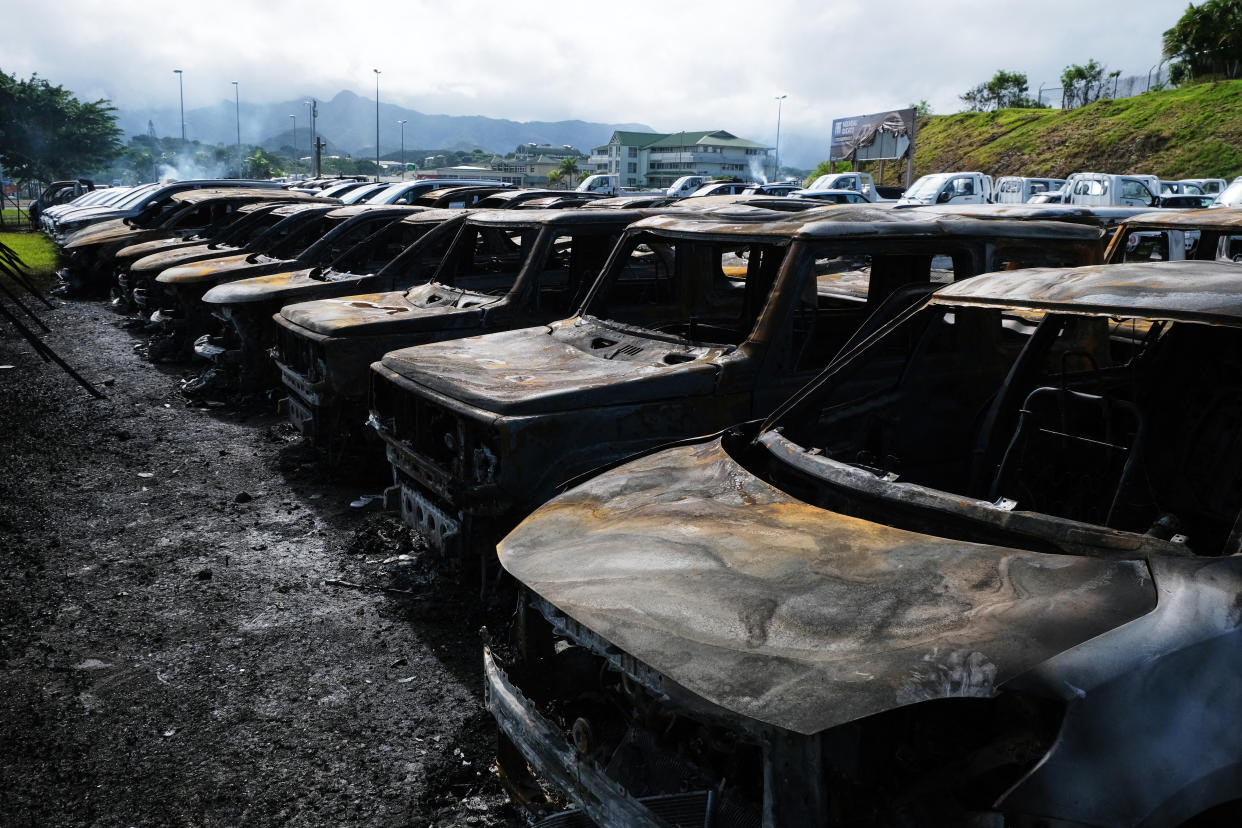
point(196, 628)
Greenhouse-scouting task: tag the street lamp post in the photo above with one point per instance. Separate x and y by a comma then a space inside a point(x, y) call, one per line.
point(181, 90)
point(377, 152)
point(237, 111)
point(402, 149)
point(776, 173)
point(310, 128)
point(295, 139)
point(313, 106)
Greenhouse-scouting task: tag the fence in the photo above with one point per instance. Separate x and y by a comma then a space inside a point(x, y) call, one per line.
point(1117, 87)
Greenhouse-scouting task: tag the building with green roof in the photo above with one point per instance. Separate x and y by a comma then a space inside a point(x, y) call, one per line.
point(654, 159)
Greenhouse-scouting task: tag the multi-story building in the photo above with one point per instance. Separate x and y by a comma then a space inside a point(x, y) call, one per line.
point(652, 159)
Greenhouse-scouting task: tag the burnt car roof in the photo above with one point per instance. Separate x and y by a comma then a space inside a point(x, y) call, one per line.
point(434, 215)
point(1076, 213)
point(235, 193)
point(301, 206)
point(351, 210)
point(1224, 218)
point(554, 217)
point(1191, 290)
point(866, 220)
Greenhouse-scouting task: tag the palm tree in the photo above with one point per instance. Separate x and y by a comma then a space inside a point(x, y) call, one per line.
point(568, 168)
point(554, 177)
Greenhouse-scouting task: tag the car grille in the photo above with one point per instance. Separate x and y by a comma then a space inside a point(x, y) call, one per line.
point(425, 428)
point(305, 356)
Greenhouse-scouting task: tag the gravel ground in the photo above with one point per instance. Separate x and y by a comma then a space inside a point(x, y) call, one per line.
point(196, 628)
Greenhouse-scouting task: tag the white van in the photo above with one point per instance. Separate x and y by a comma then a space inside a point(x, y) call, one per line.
point(1014, 189)
point(1105, 190)
point(949, 188)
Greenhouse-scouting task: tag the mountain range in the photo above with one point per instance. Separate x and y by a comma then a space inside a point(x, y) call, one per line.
point(347, 124)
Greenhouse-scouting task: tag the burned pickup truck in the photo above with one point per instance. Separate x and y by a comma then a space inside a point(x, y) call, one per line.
point(696, 325)
point(89, 254)
point(137, 266)
point(397, 256)
point(179, 290)
point(984, 571)
point(1175, 235)
point(505, 269)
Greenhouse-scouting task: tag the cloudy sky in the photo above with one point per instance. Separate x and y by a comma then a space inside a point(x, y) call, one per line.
point(680, 65)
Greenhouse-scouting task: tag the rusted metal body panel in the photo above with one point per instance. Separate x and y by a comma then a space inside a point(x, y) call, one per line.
point(819, 615)
point(324, 347)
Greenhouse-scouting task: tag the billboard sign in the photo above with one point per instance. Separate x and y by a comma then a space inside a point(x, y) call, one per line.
point(883, 135)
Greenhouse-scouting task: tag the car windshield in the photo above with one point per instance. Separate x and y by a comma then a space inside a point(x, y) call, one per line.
point(696, 290)
point(358, 195)
point(1231, 196)
point(136, 196)
point(927, 186)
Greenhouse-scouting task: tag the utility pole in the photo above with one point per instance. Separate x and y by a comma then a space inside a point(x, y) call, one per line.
point(181, 89)
point(237, 111)
point(776, 173)
point(402, 149)
point(377, 152)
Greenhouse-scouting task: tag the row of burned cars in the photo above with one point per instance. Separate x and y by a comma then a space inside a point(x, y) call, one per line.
point(849, 515)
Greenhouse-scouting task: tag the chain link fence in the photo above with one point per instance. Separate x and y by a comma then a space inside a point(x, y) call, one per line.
point(1118, 87)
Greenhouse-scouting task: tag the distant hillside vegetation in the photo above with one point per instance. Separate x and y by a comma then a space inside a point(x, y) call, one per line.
point(1192, 132)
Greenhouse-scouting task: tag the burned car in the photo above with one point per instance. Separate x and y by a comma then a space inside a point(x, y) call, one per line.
point(699, 322)
point(397, 256)
point(265, 230)
point(89, 253)
point(505, 269)
point(1174, 235)
point(984, 571)
point(303, 246)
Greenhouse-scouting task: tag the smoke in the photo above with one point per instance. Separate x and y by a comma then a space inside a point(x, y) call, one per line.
point(190, 169)
point(757, 169)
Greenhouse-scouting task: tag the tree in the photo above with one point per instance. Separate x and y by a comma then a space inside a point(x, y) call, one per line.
point(46, 133)
point(261, 165)
point(1206, 41)
point(826, 168)
point(569, 168)
point(554, 177)
point(1005, 90)
point(1080, 85)
point(921, 108)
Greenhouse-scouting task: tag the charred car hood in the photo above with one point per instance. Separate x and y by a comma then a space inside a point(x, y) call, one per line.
point(289, 286)
point(115, 233)
point(164, 259)
point(150, 248)
point(796, 616)
point(375, 314)
point(535, 371)
point(224, 267)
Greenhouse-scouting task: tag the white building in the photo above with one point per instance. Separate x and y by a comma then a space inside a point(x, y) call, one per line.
point(652, 159)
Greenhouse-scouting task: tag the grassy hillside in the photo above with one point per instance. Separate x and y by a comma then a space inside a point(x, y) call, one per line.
point(1193, 132)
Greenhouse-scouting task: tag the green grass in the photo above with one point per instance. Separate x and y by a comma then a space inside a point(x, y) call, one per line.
point(36, 252)
point(1192, 132)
